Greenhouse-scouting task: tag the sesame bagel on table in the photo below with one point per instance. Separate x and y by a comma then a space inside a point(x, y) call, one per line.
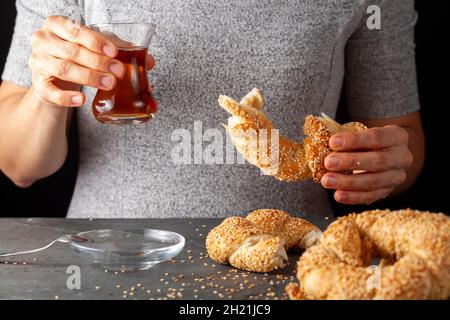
point(414, 248)
point(259, 242)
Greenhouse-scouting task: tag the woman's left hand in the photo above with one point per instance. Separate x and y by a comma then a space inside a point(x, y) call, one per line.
point(382, 152)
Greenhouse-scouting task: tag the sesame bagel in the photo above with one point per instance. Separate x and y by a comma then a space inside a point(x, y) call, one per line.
point(414, 248)
point(260, 143)
point(259, 242)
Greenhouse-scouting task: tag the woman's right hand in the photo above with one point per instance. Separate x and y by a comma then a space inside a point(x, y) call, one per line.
point(66, 55)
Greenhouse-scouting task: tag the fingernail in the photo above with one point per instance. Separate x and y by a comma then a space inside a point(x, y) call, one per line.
point(76, 100)
point(109, 50)
point(117, 69)
point(332, 162)
point(331, 182)
point(107, 81)
point(149, 62)
point(342, 196)
point(337, 142)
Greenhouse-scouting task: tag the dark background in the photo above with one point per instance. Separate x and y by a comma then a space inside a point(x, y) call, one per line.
point(50, 197)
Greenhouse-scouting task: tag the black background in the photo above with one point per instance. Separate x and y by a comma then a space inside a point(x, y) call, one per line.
point(51, 196)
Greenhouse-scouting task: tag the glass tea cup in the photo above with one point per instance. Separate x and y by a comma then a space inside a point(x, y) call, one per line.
point(131, 100)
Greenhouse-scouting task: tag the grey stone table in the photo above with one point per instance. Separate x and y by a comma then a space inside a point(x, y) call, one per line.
point(191, 275)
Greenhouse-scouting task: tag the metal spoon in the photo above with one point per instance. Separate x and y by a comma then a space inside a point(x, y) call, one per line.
point(64, 239)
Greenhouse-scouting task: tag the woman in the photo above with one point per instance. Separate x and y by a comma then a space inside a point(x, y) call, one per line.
point(301, 53)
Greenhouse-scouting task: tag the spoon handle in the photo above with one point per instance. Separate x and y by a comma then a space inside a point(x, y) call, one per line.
point(10, 254)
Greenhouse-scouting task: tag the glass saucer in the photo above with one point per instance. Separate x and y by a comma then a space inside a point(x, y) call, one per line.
point(129, 249)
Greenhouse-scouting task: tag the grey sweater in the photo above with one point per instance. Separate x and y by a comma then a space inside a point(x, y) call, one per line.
point(299, 52)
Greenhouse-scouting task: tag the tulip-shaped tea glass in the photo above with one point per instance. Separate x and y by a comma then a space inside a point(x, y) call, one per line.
point(131, 101)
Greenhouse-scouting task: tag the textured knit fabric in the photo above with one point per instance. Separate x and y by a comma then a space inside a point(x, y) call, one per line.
point(299, 52)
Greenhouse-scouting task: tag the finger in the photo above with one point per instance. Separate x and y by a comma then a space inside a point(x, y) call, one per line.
point(363, 181)
point(373, 138)
point(149, 62)
point(80, 34)
point(69, 71)
point(62, 49)
point(47, 92)
point(371, 160)
point(361, 197)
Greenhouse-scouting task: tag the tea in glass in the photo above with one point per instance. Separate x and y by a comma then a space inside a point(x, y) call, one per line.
point(131, 100)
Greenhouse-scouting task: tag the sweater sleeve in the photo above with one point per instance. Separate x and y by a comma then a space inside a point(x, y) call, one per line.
point(31, 14)
point(380, 76)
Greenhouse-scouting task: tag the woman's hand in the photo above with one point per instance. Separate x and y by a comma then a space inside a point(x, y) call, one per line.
point(67, 55)
point(382, 152)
